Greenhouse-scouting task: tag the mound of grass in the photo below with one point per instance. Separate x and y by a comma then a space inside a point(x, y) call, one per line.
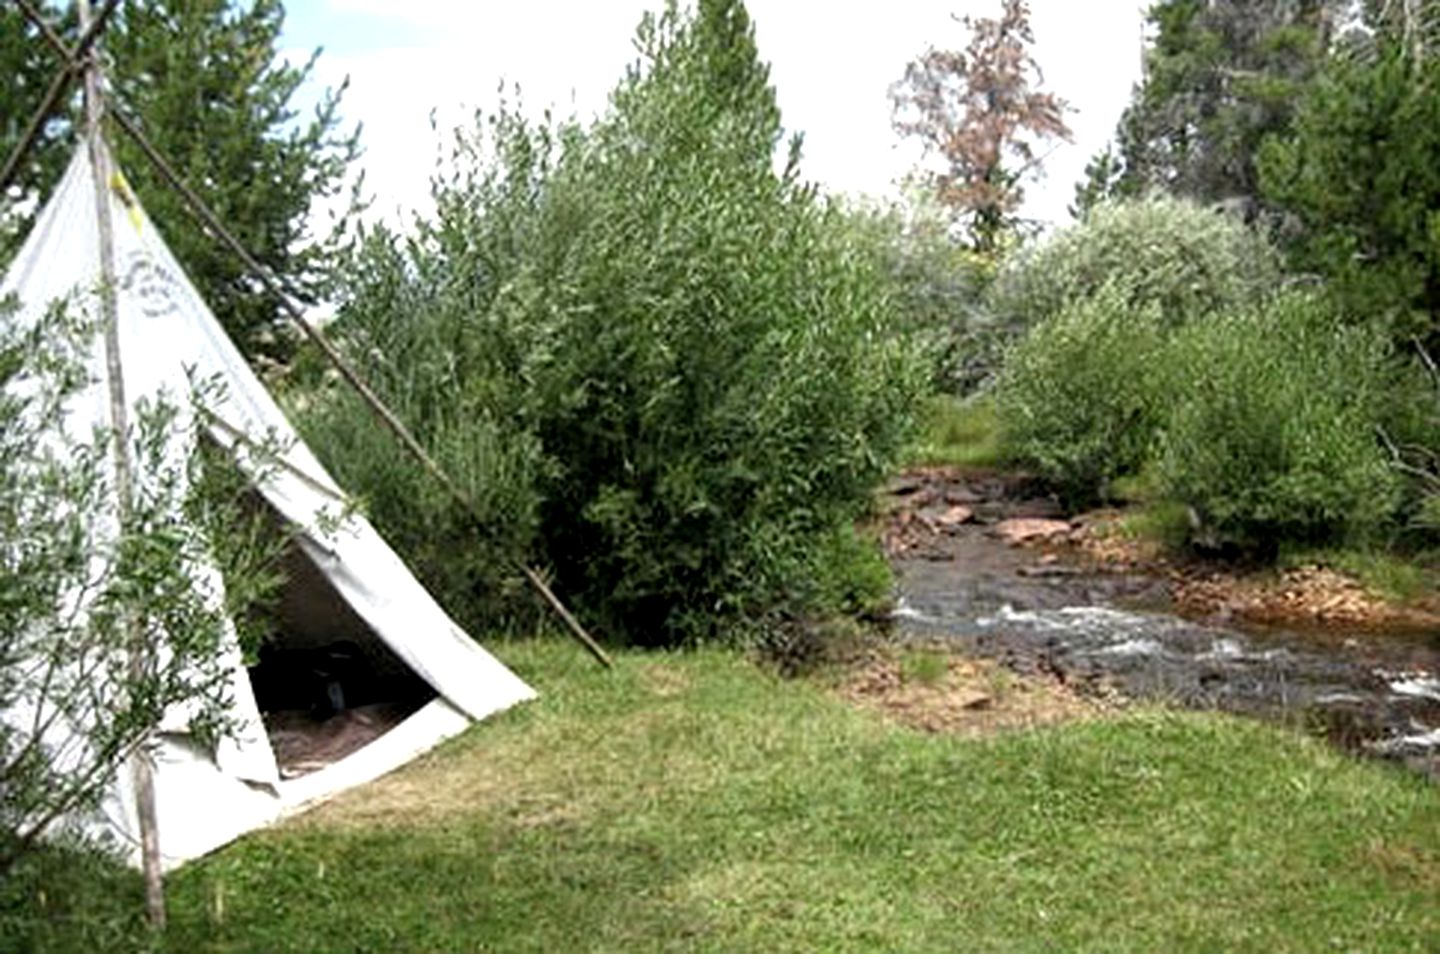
point(693, 802)
point(958, 432)
point(1393, 577)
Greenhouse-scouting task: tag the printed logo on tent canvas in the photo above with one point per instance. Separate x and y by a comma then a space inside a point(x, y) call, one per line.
point(152, 285)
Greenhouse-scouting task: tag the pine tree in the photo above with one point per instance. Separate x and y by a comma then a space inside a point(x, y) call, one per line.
point(1220, 76)
point(1359, 179)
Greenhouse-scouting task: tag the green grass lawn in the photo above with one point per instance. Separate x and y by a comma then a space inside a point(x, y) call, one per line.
point(693, 802)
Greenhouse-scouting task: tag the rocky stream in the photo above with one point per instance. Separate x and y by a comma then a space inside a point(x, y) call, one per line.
point(991, 568)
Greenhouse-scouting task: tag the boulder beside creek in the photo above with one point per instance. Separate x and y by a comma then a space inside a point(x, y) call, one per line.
point(1020, 530)
point(947, 519)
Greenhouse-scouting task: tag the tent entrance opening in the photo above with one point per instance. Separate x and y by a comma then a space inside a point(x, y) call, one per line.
point(326, 685)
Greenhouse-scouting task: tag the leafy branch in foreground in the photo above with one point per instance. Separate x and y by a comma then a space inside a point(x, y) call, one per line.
point(106, 625)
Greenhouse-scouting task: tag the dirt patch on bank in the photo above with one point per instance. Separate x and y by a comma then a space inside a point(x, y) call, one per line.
point(938, 691)
point(1310, 594)
point(1313, 595)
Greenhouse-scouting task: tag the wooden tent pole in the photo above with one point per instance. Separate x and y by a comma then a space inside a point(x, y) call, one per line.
point(58, 85)
point(57, 89)
point(144, 777)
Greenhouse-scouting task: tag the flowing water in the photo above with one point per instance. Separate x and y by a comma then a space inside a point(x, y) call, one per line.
point(1374, 693)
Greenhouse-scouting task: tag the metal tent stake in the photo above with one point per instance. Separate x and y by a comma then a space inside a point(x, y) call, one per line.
point(144, 776)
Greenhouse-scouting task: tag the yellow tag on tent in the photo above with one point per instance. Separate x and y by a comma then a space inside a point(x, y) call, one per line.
point(121, 188)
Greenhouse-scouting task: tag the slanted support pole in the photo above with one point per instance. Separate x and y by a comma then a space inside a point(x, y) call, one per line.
point(278, 288)
point(144, 774)
point(377, 406)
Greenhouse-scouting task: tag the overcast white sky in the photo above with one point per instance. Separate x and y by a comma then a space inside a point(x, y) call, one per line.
point(831, 63)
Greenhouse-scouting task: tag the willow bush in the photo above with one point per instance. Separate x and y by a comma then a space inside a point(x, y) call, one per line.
point(1161, 341)
point(1079, 398)
point(1086, 384)
point(1176, 255)
point(668, 370)
point(1273, 436)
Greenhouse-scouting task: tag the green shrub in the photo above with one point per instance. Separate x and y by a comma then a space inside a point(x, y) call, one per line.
point(1079, 397)
point(1275, 437)
point(1410, 424)
point(674, 372)
point(1180, 257)
point(1427, 513)
point(413, 324)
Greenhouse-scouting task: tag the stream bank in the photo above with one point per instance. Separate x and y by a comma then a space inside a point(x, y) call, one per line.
point(990, 566)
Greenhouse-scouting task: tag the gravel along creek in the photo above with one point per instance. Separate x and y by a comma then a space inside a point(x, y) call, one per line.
point(986, 567)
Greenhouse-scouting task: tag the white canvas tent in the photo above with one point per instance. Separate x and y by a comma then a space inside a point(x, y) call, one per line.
point(167, 338)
